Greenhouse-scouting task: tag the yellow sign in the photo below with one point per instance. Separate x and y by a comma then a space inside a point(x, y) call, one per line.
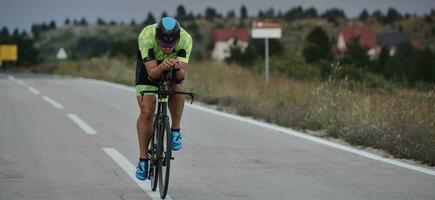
point(8, 52)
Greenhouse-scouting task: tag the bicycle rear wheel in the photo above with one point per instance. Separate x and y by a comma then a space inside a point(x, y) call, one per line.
point(153, 155)
point(165, 159)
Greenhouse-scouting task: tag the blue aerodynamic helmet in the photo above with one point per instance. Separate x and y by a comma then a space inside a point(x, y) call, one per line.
point(167, 32)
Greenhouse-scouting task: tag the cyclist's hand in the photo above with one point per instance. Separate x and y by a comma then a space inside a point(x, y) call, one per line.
point(175, 64)
point(165, 65)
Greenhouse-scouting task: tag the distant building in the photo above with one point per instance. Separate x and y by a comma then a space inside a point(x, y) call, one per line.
point(393, 40)
point(225, 38)
point(366, 35)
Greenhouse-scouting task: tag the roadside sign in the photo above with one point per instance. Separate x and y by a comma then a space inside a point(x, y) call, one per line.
point(266, 29)
point(8, 52)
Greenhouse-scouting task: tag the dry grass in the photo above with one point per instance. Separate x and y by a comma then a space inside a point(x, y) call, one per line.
point(401, 122)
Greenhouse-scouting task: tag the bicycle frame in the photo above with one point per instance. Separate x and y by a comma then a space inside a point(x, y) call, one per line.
point(160, 125)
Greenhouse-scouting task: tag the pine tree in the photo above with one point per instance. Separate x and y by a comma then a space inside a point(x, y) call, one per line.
point(150, 19)
point(243, 12)
point(317, 46)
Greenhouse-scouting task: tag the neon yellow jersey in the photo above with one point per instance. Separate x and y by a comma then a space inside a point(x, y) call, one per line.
point(150, 50)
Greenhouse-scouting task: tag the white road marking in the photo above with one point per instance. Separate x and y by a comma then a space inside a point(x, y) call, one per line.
point(11, 78)
point(130, 169)
point(317, 140)
point(20, 82)
point(34, 91)
point(53, 102)
point(294, 133)
point(85, 127)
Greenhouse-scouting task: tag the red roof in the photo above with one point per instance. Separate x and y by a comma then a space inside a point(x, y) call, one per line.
point(367, 37)
point(224, 34)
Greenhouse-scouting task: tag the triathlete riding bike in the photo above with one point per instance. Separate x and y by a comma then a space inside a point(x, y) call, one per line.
point(161, 46)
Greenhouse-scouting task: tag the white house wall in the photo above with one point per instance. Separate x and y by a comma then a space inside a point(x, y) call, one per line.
point(222, 49)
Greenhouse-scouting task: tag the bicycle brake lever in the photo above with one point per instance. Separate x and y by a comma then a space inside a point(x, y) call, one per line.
point(192, 96)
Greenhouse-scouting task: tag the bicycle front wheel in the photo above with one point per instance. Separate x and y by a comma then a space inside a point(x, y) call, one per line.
point(165, 159)
point(153, 156)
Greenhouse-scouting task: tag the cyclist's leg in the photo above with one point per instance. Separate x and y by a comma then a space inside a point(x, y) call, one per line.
point(146, 104)
point(144, 123)
point(176, 105)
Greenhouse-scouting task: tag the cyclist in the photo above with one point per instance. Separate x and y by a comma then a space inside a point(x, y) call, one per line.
point(161, 46)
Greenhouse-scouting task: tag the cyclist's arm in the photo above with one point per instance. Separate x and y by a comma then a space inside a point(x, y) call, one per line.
point(154, 70)
point(183, 70)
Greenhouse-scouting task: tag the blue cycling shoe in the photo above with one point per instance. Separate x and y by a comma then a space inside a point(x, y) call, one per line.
point(176, 139)
point(142, 170)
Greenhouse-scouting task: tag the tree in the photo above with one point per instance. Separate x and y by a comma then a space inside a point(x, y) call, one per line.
point(181, 13)
point(364, 15)
point(392, 16)
point(16, 33)
point(402, 66)
point(356, 54)
point(270, 13)
point(210, 13)
point(294, 13)
point(425, 65)
point(101, 22)
point(231, 14)
point(112, 23)
point(243, 12)
point(4, 32)
point(243, 58)
point(132, 22)
point(164, 14)
point(378, 15)
point(311, 12)
point(66, 22)
point(317, 46)
point(83, 22)
point(334, 14)
point(384, 56)
point(52, 25)
point(149, 20)
point(261, 14)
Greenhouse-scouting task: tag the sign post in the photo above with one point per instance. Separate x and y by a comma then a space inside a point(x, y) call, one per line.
point(266, 29)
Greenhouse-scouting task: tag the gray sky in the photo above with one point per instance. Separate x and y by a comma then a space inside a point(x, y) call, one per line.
point(23, 13)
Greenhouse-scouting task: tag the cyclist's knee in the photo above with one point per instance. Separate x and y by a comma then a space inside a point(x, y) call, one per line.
point(147, 111)
point(146, 115)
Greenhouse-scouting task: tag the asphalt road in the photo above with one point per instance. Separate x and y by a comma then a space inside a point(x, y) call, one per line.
point(72, 138)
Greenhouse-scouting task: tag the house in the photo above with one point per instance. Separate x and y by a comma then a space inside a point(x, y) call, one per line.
point(366, 35)
point(393, 40)
point(225, 38)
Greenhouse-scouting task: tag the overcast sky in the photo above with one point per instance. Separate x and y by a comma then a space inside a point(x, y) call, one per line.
point(23, 13)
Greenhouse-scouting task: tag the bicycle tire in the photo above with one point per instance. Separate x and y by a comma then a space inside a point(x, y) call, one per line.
point(166, 156)
point(153, 158)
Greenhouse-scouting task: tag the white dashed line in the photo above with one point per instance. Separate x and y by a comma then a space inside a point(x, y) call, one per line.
point(20, 82)
point(130, 170)
point(82, 124)
point(53, 102)
point(34, 91)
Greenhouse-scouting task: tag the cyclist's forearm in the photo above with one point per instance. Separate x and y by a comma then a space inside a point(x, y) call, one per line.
point(156, 72)
point(180, 74)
